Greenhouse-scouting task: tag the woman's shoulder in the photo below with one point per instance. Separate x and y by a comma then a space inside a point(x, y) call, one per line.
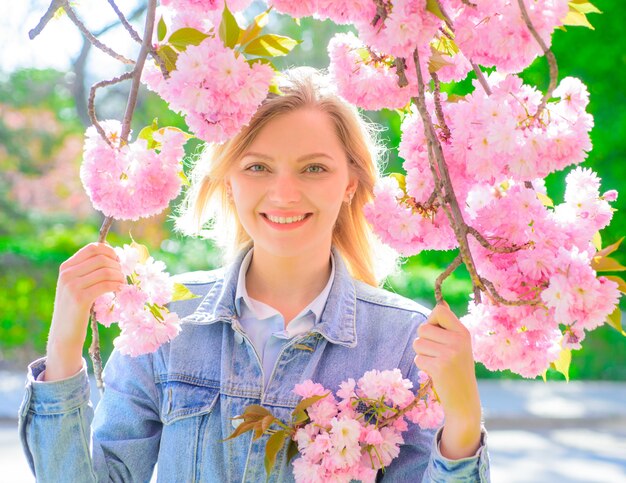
point(386, 299)
point(199, 277)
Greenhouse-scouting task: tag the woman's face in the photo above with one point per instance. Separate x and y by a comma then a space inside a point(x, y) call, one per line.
point(289, 186)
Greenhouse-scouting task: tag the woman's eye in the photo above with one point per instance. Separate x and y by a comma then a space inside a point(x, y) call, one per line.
point(251, 168)
point(316, 168)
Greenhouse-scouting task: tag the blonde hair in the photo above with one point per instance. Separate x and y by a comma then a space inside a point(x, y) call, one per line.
point(366, 258)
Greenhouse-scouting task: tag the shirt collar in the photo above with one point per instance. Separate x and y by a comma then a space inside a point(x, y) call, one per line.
point(243, 301)
point(338, 319)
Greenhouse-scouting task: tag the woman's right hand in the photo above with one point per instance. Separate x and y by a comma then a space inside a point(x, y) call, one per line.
point(92, 271)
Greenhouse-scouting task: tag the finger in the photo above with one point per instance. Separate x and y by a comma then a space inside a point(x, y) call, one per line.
point(429, 348)
point(442, 316)
point(435, 333)
point(89, 251)
point(425, 363)
point(90, 265)
point(100, 275)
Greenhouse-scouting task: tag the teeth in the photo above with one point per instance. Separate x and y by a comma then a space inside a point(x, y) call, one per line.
point(291, 219)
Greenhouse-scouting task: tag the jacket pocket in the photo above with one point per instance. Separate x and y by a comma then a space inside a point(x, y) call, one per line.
point(181, 399)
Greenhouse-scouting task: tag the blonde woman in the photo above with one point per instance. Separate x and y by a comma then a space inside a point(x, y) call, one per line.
point(297, 298)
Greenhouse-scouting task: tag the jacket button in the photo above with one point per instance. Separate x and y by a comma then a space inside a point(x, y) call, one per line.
point(238, 338)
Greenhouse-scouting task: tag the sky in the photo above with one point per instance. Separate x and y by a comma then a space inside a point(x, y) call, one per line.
point(60, 41)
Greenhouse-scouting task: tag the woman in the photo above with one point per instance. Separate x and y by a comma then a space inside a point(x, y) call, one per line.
point(298, 299)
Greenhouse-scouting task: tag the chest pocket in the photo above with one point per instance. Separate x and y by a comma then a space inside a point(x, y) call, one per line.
point(181, 399)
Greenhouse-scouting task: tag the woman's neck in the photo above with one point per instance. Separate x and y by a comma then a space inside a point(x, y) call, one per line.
point(287, 282)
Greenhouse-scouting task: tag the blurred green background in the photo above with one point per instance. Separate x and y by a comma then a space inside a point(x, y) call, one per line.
point(45, 216)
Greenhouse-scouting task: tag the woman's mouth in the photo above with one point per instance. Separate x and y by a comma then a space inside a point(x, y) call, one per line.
point(286, 222)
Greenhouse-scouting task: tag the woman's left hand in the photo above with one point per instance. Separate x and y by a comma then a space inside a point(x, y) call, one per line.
point(444, 351)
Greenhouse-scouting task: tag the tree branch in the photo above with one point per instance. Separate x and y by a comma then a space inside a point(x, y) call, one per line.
point(458, 260)
point(135, 74)
point(90, 36)
point(554, 70)
point(438, 109)
point(485, 243)
point(43, 21)
point(91, 106)
point(133, 33)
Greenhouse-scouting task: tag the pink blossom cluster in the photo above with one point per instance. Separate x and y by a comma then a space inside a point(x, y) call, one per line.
point(505, 142)
point(493, 32)
point(215, 88)
point(366, 80)
point(139, 307)
point(339, 11)
point(131, 181)
point(553, 266)
point(347, 437)
point(198, 14)
point(552, 262)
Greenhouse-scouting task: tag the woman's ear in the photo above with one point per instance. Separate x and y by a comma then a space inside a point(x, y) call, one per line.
point(351, 188)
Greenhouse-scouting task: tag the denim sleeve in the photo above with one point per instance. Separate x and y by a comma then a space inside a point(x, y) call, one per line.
point(420, 458)
point(65, 440)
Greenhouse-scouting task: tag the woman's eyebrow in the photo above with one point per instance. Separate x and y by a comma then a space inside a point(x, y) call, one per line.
point(300, 159)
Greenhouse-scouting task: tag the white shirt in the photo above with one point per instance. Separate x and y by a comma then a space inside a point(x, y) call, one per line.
point(265, 326)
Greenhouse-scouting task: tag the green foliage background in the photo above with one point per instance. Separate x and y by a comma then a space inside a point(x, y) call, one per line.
point(33, 245)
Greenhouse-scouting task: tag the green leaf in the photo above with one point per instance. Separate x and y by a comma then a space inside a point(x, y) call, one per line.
point(182, 293)
point(271, 45)
point(433, 7)
point(610, 249)
point(242, 428)
point(577, 19)
point(274, 444)
point(255, 412)
point(615, 320)
point(401, 179)
point(161, 30)
point(229, 29)
point(184, 178)
point(169, 56)
point(307, 402)
point(545, 199)
point(144, 254)
point(147, 133)
point(261, 60)
point(583, 6)
point(292, 450)
point(597, 240)
point(254, 29)
point(186, 36)
point(606, 264)
point(156, 313)
point(563, 362)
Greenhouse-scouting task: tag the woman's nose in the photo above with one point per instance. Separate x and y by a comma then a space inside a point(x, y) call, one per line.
point(284, 189)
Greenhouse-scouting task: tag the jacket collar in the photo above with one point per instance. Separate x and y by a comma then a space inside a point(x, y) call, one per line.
point(338, 321)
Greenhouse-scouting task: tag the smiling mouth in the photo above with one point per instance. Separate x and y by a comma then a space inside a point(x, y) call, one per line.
point(288, 219)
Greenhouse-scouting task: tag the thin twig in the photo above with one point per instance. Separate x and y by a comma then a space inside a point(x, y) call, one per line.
point(481, 77)
point(133, 33)
point(135, 74)
point(554, 70)
point(418, 397)
point(43, 21)
point(494, 293)
point(455, 216)
point(458, 260)
point(141, 59)
point(438, 109)
point(485, 243)
point(90, 36)
point(91, 104)
point(475, 67)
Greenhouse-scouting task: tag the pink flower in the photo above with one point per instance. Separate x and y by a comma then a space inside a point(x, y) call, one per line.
point(132, 181)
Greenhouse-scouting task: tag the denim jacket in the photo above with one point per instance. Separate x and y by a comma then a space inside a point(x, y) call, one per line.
point(173, 407)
